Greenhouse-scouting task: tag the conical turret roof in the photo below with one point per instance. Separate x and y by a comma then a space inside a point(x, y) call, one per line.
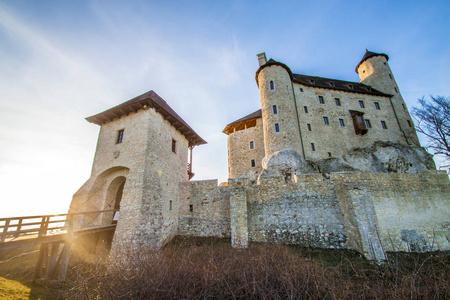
point(368, 55)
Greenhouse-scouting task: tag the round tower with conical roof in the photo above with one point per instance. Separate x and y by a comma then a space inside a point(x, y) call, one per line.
point(278, 107)
point(374, 70)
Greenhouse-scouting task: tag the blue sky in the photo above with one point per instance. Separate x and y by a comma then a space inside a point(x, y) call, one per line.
point(61, 61)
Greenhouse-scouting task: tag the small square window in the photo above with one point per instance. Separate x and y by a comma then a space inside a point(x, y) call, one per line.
point(277, 127)
point(120, 136)
point(361, 104)
point(368, 123)
point(390, 76)
point(191, 208)
point(350, 86)
point(396, 90)
point(274, 108)
point(360, 119)
point(403, 105)
point(253, 162)
point(301, 90)
point(312, 147)
point(338, 101)
point(308, 126)
point(325, 121)
point(252, 145)
point(341, 122)
point(305, 109)
point(409, 123)
point(312, 81)
point(383, 124)
point(321, 101)
point(331, 83)
point(329, 154)
point(174, 146)
point(377, 105)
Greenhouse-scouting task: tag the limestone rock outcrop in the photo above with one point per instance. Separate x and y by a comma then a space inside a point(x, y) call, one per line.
point(286, 163)
point(380, 157)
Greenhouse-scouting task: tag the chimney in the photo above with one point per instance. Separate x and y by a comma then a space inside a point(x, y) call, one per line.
point(262, 58)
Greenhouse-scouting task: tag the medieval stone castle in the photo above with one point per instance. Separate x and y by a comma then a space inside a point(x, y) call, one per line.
point(324, 162)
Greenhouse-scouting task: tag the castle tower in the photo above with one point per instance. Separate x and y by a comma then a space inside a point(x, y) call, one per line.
point(374, 70)
point(141, 158)
point(278, 107)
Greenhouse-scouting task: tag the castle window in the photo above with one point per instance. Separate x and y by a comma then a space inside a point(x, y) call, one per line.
point(331, 83)
point(301, 90)
point(170, 205)
point(341, 122)
point(383, 124)
point(274, 109)
point(409, 123)
point(305, 109)
point(325, 121)
point(360, 119)
point(120, 136)
point(271, 85)
point(338, 101)
point(390, 76)
point(308, 126)
point(377, 105)
point(396, 90)
point(350, 86)
point(321, 101)
point(252, 145)
point(403, 105)
point(368, 123)
point(329, 154)
point(287, 88)
point(174, 146)
point(191, 208)
point(361, 104)
point(312, 147)
point(312, 81)
point(253, 162)
point(277, 127)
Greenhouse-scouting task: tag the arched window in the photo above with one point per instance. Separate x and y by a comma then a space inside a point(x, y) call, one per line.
point(271, 85)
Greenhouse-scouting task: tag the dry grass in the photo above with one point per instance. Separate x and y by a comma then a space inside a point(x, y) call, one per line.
point(214, 270)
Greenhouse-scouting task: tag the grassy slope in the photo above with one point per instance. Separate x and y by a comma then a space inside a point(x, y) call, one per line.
point(16, 275)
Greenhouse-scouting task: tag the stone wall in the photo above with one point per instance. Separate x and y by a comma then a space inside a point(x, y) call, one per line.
point(334, 138)
point(368, 212)
point(204, 209)
point(240, 155)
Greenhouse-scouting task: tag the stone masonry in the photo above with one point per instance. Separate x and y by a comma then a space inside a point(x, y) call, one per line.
point(325, 163)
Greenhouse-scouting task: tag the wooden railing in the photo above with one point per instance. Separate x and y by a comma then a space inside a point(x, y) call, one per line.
point(39, 226)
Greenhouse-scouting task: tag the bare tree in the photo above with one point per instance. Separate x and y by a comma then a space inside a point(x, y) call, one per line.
point(433, 120)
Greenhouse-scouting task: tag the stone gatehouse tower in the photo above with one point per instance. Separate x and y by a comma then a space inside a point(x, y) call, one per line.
point(141, 158)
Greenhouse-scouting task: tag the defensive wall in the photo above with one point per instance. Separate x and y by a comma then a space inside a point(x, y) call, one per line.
point(368, 212)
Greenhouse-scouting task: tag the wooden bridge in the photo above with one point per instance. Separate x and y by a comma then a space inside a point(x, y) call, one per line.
point(54, 234)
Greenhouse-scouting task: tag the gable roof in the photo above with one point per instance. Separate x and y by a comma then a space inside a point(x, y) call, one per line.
point(147, 100)
point(340, 85)
point(242, 122)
